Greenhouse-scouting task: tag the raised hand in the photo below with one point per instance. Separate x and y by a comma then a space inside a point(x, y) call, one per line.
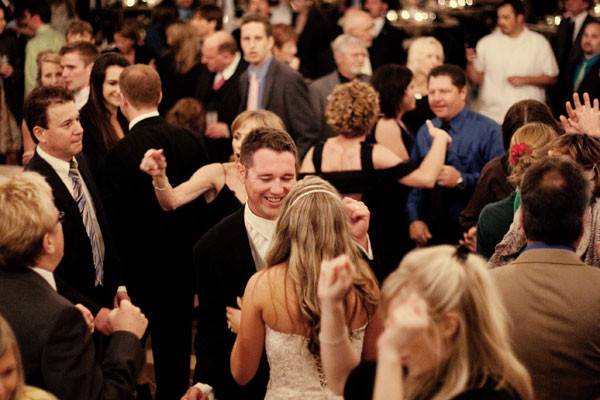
point(358, 218)
point(437, 133)
point(154, 163)
point(405, 323)
point(335, 280)
point(584, 117)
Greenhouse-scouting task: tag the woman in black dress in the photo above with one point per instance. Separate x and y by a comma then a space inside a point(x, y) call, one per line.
point(102, 122)
point(371, 172)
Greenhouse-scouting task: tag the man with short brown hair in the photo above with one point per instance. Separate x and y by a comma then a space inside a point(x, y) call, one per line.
point(156, 245)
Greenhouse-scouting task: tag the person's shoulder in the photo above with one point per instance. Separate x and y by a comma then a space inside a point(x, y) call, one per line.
point(482, 120)
point(535, 36)
point(490, 391)
point(224, 233)
point(322, 81)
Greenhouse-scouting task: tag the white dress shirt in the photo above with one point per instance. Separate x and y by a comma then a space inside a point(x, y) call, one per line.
point(47, 275)
point(260, 234)
point(229, 70)
point(143, 117)
point(81, 97)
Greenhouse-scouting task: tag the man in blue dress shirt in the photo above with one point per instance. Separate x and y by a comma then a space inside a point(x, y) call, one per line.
point(433, 213)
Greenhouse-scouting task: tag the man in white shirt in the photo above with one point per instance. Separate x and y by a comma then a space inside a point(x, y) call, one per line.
point(90, 264)
point(57, 351)
point(77, 60)
point(511, 64)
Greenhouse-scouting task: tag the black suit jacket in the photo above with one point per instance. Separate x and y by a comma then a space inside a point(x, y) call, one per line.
point(285, 93)
point(387, 47)
point(58, 353)
point(223, 263)
point(76, 268)
point(225, 101)
point(590, 82)
point(155, 245)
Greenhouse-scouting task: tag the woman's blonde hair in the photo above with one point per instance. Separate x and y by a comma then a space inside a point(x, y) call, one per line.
point(416, 52)
point(528, 145)
point(263, 118)
point(182, 39)
point(46, 56)
point(451, 280)
point(313, 227)
point(8, 342)
point(27, 213)
point(352, 109)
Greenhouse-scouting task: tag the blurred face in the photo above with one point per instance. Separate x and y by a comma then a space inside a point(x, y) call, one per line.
point(203, 27)
point(255, 42)
point(259, 6)
point(124, 44)
point(75, 74)
point(376, 8)
point(362, 29)
point(110, 88)
point(509, 23)
point(287, 52)
point(62, 138)
point(51, 74)
point(79, 37)
point(9, 375)
point(268, 180)
point(240, 134)
point(590, 41)
point(351, 62)
point(2, 21)
point(431, 58)
point(408, 101)
point(575, 7)
point(445, 99)
point(301, 5)
point(214, 61)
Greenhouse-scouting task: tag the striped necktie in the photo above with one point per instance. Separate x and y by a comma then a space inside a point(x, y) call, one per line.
point(90, 225)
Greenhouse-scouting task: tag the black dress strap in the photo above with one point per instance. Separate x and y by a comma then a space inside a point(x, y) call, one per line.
point(317, 157)
point(366, 156)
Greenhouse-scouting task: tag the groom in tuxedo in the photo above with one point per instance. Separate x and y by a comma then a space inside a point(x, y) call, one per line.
point(233, 250)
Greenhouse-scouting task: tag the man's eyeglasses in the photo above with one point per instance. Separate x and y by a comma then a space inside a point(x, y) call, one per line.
point(61, 217)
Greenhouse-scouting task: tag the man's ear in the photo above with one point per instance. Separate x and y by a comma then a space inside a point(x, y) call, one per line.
point(39, 134)
point(271, 42)
point(450, 325)
point(48, 245)
point(242, 171)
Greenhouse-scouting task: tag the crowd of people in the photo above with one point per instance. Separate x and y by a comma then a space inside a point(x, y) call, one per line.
point(330, 208)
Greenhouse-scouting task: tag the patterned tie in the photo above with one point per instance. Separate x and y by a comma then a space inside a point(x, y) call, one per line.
point(252, 93)
point(88, 222)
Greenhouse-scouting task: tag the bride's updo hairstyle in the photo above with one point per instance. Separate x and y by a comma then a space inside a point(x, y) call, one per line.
point(313, 226)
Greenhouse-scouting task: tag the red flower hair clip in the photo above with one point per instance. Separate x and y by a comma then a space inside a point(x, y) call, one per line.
point(517, 151)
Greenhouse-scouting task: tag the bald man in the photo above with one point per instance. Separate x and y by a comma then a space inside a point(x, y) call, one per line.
point(360, 24)
point(218, 89)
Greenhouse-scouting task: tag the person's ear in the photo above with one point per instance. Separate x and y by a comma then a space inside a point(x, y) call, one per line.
point(40, 134)
point(450, 325)
point(271, 42)
point(48, 244)
point(242, 171)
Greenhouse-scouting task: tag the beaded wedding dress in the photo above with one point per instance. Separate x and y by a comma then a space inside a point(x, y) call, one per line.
point(295, 373)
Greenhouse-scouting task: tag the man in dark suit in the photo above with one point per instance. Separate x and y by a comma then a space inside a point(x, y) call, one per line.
point(567, 48)
point(350, 54)
point(584, 74)
point(270, 85)
point(218, 89)
point(550, 295)
point(155, 245)
point(90, 264)
point(387, 46)
point(54, 339)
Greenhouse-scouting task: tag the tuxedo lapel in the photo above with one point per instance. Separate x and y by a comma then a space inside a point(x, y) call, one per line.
point(269, 81)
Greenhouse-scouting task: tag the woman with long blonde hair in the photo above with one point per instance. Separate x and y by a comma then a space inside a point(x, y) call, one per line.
point(180, 66)
point(446, 325)
point(280, 308)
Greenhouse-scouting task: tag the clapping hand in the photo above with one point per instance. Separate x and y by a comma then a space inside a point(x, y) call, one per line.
point(584, 118)
point(437, 133)
point(469, 239)
point(88, 317)
point(405, 323)
point(335, 280)
point(154, 163)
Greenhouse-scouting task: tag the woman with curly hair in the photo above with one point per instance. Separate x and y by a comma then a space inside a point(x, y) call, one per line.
point(280, 307)
point(370, 171)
